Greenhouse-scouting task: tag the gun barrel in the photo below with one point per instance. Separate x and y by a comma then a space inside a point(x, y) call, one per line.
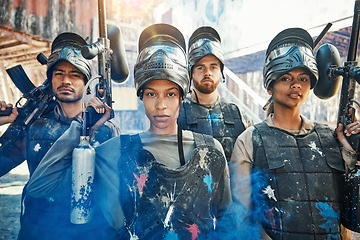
point(354, 38)
point(322, 34)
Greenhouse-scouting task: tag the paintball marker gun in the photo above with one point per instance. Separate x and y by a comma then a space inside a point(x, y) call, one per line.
point(328, 59)
point(112, 64)
point(34, 102)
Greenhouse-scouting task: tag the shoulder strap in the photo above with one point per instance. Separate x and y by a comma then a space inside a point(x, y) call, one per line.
point(271, 146)
point(328, 142)
point(130, 141)
point(203, 140)
point(190, 116)
point(227, 111)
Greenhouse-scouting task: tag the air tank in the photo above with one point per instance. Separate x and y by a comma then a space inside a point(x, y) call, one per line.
point(83, 171)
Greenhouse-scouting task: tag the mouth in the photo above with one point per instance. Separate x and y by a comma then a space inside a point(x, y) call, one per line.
point(161, 118)
point(65, 90)
point(207, 80)
point(295, 95)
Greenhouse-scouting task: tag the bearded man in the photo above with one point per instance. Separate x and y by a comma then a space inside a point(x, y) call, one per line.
point(204, 111)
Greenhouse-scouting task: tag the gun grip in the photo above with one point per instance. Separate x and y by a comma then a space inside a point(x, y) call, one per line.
point(92, 116)
point(354, 141)
point(6, 112)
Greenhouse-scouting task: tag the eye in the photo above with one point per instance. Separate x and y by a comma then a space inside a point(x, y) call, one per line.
point(149, 94)
point(171, 94)
point(76, 75)
point(199, 67)
point(304, 79)
point(57, 73)
point(285, 78)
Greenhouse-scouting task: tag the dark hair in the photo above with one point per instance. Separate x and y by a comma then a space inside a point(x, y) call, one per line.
point(269, 107)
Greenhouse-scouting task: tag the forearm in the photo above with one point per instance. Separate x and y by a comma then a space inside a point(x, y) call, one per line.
point(11, 156)
point(240, 170)
point(349, 157)
point(107, 182)
point(8, 163)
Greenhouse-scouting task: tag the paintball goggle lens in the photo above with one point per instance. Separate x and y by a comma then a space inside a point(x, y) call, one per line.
point(173, 51)
point(203, 41)
point(283, 50)
point(68, 53)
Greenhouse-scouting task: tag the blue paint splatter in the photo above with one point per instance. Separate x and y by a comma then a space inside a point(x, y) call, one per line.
point(208, 182)
point(171, 235)
point(331, 218)
point(214, 118)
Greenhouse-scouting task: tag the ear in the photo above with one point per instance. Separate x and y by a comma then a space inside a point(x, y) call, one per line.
point(269, 91)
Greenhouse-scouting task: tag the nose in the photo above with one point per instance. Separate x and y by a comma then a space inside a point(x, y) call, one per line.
point(207, 72)
point(160, 103)
point(296, 84)
point(66, 79)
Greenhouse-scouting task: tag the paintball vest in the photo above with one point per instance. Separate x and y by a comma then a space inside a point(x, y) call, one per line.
point(304, 180)
point(46, 130)
point(163, 203)
point(49, 218)
point(41, 136)
point(222, 121)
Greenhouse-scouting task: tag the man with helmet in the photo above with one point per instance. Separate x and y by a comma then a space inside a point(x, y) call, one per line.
point(204, 111)
point(301, 162)
point(67, 72)
point(147, 189)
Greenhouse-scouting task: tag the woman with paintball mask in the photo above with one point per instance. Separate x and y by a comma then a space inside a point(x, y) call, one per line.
point(301, 161)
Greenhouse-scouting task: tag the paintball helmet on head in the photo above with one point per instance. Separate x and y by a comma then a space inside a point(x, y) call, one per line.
point(290, 49)
point(161, 56)
point(67, 47)
point(204, 41)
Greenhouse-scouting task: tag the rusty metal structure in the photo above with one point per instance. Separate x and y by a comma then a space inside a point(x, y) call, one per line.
point(27, 29)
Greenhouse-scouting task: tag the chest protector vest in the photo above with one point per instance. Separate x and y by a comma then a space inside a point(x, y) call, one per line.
point(162, 203)
point(305, 176)
point(222, 121)
point(52, 215)
point(41, 136)
point(46, 130)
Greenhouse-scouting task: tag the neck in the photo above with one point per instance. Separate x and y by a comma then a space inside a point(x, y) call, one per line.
point(287, 119)
point(205, 99)
point(171, 130)
point(71, 110)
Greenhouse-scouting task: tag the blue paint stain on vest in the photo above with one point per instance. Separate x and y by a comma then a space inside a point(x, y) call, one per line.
point(357, 174)
point(207, 180)
point(171, 236)
point(212, 15)
point(330, 216)
point(214, 118)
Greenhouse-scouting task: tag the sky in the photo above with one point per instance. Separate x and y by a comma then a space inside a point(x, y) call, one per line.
point(247, 26)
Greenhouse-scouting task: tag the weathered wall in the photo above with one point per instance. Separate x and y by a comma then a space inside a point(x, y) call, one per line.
point(27, 28)
point(47, 18)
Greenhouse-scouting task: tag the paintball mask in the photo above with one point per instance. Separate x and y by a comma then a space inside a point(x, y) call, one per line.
point(161, 56)
point(290, 49)
point(205, 41)
point(67, 47)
